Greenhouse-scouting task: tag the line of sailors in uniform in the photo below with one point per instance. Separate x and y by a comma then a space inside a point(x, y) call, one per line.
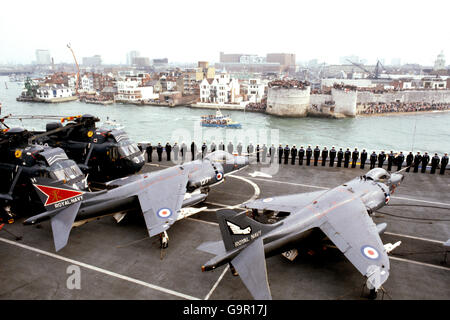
point(342, 157)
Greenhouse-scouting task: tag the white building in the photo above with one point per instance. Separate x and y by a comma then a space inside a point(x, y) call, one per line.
point(255, 90)
point(439, 63)
point(130, 91)
point(222, 89)
point(52, 92)
point(87, 84)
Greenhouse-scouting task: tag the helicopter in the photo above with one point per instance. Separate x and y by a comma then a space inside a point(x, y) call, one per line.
point(21, 163)
point(103, 153)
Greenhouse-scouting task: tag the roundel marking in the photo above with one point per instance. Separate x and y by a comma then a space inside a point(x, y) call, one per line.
point(90, 133)
point(164, 213)
point(219, 176)
point(370, 252)
point(267, 199)
point(18, 153)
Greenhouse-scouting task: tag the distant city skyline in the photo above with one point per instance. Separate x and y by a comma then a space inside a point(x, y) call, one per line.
point(410, 32)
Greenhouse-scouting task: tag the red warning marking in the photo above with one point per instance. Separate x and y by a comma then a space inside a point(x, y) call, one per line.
point(55, 195)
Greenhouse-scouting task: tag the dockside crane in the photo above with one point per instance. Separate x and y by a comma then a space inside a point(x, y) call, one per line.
point(372, 75)
point(78, 69)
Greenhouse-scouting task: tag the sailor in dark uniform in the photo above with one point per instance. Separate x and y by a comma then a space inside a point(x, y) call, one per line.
point(230, 148)
point(293, 154)
point(272, 153)
point(193, 150)
point(286, 154)
point(347, 155)
point(280, 153)
point(176, 149)
point(355, 156)
point(264, 153)
point(417, 159)
point(168, 150)
point(324, 156)
point(250, 149)
point(204, 150)
point(332, 156)
point(183, 151)
point(239, 149)
point(159, 151)
point(409, 161)
point(444, 162)
point(391, 157)
point(373, 160)
point(340, 155)
point(434, 163)
point(301, 155)
point(149, 151)
point(316, 155)
point(399, 160)
point(363, 158)
point(425, 160)
point(257, 153)
point(308, 155)
point(381, 158)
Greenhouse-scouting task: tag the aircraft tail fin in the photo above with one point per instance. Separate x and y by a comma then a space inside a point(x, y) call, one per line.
point(62, 204)
point(237, 229)
point(251, 266)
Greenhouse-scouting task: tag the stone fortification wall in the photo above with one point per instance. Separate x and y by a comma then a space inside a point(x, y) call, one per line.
point(319, 99)
point(288, 102)
point(437, 96)
point(345, 102)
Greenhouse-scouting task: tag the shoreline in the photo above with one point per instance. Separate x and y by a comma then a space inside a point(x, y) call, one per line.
point(399, 113)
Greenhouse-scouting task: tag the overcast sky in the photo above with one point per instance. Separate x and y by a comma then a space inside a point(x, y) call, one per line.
point(192, 30)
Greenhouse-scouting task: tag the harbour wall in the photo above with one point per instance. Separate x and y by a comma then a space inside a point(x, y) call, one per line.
point(430, 96)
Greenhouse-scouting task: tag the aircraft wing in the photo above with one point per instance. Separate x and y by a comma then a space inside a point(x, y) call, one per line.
point(161, 198)
point(350, 228)
point(289, 203)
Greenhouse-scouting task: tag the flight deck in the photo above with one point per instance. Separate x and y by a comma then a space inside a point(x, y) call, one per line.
point(120, 261)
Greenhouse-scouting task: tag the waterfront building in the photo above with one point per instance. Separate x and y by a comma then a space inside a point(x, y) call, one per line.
point(222, 89)
point(54, 91)
point(131, 91)
point(87, 83)
point(255, 90)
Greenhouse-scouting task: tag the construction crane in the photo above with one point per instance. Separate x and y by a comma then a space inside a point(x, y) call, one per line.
point(78, 68)
point(372, 75)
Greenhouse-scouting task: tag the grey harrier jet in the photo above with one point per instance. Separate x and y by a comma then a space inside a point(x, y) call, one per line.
point(341, 213)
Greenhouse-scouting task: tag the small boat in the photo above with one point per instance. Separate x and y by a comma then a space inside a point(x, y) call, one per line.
point(219, 120)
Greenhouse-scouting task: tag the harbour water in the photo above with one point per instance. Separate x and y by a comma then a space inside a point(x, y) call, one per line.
point(412, 132)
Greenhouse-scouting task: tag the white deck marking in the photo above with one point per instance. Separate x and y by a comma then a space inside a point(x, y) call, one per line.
point(256, 194)
point(420, 263)
point(203, 221)
point(109, 273)
point(425, 201)
point(412, 237)
point(291, 183)
point(217, 283)
point(324, 188)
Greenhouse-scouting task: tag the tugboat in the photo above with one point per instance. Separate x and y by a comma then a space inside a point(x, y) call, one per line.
point(219, 120)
